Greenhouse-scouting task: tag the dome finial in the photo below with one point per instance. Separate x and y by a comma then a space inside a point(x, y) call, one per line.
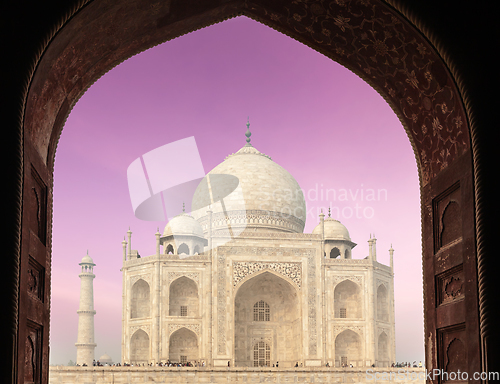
point(329, 212)
point(183, 207)
point(248, 133)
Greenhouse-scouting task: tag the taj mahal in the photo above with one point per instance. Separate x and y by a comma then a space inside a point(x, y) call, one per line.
point(238, 283)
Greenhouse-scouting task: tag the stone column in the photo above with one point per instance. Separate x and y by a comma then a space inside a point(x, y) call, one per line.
point(85, 344)
point(371, 315)
point(129, 233)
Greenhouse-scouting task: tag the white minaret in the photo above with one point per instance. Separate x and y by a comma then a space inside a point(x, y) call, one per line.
point(85, 343)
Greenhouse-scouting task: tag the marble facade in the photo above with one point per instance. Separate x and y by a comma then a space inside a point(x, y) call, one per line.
point(235, 284)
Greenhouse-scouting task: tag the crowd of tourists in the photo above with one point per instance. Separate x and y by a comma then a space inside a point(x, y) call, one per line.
point(407, 364)
point(160, 364)
point(169, 363)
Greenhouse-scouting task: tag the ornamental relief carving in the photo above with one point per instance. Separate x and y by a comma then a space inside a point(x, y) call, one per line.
point(312, 305)
point(192, 327)
point(370, 39)
point(243, 269)
point(381, 330)
point(144, 327)
point(337, 329)
point(195, 276)
point(355, 279)
point(267, 340)
point(265, 251)
point(133, 279)
point(221, 301)
point(264, 217)
point(382, 282)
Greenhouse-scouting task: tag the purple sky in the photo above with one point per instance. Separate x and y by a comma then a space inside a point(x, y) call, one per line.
point(316, 119)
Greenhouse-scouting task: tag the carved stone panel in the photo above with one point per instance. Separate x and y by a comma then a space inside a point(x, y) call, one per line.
point(193, 327)
point(195, 276)
point(447, 220)
point(354, 278)
point(135, 278)
point(36, 279)
point(452, 351)
point(32, 353)
point(243, 269)
point(341, 328)
point(450, 286)
point(221, 303)
point(39, 204)
point(312, 305)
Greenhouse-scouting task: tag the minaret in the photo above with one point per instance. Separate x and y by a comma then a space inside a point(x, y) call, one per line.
point(85, 343)
point(391, 254)
point(322, 228)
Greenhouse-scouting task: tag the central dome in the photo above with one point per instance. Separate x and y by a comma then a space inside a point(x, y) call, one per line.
point(260, 196)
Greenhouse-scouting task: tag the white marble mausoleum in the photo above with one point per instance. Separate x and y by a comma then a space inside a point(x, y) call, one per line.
point(238, 282)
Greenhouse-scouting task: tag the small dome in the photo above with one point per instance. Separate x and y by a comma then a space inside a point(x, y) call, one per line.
point(183, 225)
point(105, 359)
point(87, 260)
point(334, 230)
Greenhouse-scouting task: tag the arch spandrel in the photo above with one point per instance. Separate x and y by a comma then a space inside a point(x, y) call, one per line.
point(244, 271)
point(367, 37)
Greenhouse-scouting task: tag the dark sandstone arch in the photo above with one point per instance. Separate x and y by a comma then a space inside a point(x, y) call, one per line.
point(41, 106)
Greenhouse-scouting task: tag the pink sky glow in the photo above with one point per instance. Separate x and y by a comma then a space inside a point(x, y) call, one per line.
point(327, 127)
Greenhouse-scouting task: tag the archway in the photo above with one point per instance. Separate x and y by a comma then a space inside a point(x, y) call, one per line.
point(383, 351)
point(183, 249)
point(348, 349)
point(139, 348)
point(382, 303)
point(267, 322)
point(440, 177)
point(140, 304)
point(183, 346)
point(334, 253)
point(347, 300)
point(183, 297)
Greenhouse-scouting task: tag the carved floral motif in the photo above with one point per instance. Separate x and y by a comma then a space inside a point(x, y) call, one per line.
point(374, 42)
point(291, 270)
point(191, 275)
point(192, 327)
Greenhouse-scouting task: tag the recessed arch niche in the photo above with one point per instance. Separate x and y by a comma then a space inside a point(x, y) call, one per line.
point(278, 326)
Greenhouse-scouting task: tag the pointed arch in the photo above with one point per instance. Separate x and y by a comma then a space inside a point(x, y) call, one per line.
point(183, 249)
point(139, 347)
point(267, 304)
point(383, 358)
point(347, 299)
point(348, 349)
point(140, 305)
point(183, 346)
point(382, 303)
point(334, 253)
point(183, 297)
